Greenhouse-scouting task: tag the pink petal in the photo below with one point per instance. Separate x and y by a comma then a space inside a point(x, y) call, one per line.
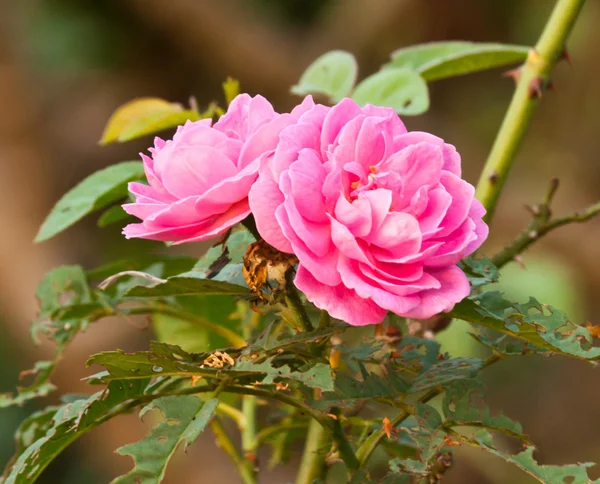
point(339, 301)
point(192, 172)
point(264, 198)
point(454, 288)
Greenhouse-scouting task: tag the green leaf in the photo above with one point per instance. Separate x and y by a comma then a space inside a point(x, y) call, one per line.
point(32, 429)
point(144, 116)
point(155, 122)
point(479, 271)
point(332, 74)
point(187, 286)
point(231, 88)
point(113, 215)
point(189, 335)
point(63, 286)
point(218, 273)
point(159, 266)
point(439, 60)
point(69, 422)
point(464, 406)
point(317, 376)
point(546, 474)
point(400, 89)
point(40, 387)
point(185, 417)
point(349, 391)
point(541, 325)
point(96, 192)
point(446, 372)
point(428, 436)
point(224, 263)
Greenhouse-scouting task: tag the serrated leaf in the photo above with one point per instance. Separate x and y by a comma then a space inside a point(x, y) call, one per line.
point(40, 387)
point(69, 422)
point(446, 372)
point(464, 406)
point(428, 437)
point(224, 262)
point(479, 271)
point(144, 116)
point(219, 272)
point(546, 474)
point(94, 193)
point(31, 429)
point(349, 390)
point(66, 285)
point(541, 325)
point(332, 74)
point(400, 89)
point(439, 60)
point(317, 376)
point(185, 417)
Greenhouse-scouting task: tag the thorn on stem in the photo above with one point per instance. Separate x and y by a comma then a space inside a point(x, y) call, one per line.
point(493, 178)
point(566, 56)
point(519, 260)
point(514, 74)
point(535, 88)
point(533, 209)
point(552, 188)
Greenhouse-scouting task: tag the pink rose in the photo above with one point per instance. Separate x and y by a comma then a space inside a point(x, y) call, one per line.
point(377, 216)
point(199, 180)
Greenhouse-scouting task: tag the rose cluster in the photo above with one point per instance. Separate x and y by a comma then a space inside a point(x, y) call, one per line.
point(377, 216)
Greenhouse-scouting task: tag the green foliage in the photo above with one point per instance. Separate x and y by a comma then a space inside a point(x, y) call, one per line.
point(541, 325)
point(479, 271)
point(96, 192)
point(144, 116)
point(546, 474)
point(188, 284)
point(185, 418)
point(400, 89)
point(66, 285)
point(48, 433)
point(112, 216)
point(333, 75)
point(464, 406)
point(335, 380)
point(439, 60)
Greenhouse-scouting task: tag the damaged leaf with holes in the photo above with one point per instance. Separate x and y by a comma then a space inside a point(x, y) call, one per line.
point(184, 418)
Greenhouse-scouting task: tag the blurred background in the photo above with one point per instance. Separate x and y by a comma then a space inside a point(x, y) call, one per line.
point(65, 65)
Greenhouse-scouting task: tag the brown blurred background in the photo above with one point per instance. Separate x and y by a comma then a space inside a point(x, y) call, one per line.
point(65, 65)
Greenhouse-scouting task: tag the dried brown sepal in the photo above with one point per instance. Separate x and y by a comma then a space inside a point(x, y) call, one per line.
point(263, 263)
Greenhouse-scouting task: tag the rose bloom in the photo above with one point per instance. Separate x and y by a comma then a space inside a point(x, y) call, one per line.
point(377, 216)
point(199, 180)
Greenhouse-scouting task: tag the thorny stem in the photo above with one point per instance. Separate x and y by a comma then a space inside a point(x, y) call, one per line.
point(367, 448)
point(249, 410)
point(295, 306)
point(541, 224)
point(532, 78)
point(224, 441)
point(267, 432)
point(313, 460)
